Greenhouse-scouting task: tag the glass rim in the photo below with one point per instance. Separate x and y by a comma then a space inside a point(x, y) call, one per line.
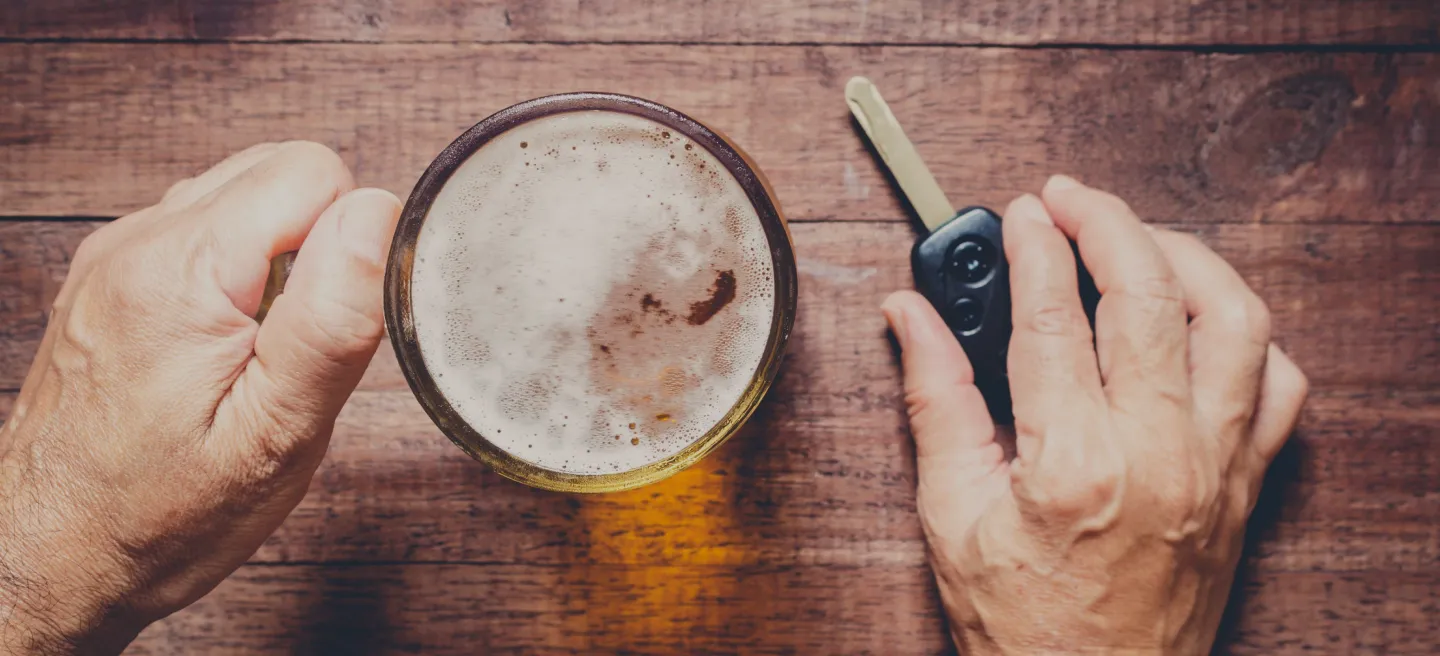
point(399, 318)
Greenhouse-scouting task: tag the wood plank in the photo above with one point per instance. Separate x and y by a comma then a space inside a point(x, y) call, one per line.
point(470, 609)
point(466, 609)
point(34, 259)
point(659, 591)
point(102, 129)
point(800, 536)
point(654, 608)
point(1317, 613)
point(820, 480)
point(1018, 22)
point(824, 474)
point(1353, 304)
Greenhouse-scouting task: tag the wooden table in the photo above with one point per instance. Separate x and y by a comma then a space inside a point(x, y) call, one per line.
point(1300, 138)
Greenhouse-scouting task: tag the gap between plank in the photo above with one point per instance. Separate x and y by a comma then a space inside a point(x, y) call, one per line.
point(1173, 225)
point(1217, 48)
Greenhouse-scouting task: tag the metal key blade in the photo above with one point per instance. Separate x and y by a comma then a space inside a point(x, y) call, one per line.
point(899, 154)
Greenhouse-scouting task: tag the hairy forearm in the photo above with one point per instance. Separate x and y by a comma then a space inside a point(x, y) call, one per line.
point(31, 620)
point(53, 598)
point(42, 616)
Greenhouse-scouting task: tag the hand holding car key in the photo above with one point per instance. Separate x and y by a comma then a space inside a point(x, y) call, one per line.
point(1115, 520)
point(960, 265)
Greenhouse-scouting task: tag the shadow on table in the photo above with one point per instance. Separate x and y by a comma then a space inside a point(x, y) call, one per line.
point(347, 615)
point(1277, 496)
point(450, 597)
point(161, 19)
point(798, 535)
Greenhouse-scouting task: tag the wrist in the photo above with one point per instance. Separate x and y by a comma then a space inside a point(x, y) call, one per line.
point(979, 646)
point(23, 628)
point(54, 599)
point(973, 641)
point(48, 616)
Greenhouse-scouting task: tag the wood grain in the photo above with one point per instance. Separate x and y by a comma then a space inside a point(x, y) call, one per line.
point(1353, 304)
point(467, 609)
point(486, 609)
point(795, 538)
point(1313, 172)
point(822, 482)
point(1018, 22)
point(102, 129)
point(824, 474)
point(825, 482)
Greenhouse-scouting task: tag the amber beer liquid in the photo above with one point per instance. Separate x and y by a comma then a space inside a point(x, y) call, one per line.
point(589, 292)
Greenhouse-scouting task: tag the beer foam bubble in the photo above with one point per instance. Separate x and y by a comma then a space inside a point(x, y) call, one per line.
point(592, 291)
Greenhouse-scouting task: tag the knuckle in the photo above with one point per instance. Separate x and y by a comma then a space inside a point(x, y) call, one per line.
point(1097, 488)
point(1159, 292)
point(176, 188)
point(1190, 498)
point(918, 404)
point(141, 282)
point(88, 252)
point(317, 160)
point(1078, 499)
point(1161, 286)
point(1294, 383)
point(1053, 318)
point(1188, 239)
point(1257, 319)
point(1245, 318)
point(1301, 385)
point(128, 273)
point(1079, 491)
point(1183, 242)
point(308, 150)
point(1112, 204)
point(340, 330)
point(93, 247)
point(263, 146)
point(78, 339)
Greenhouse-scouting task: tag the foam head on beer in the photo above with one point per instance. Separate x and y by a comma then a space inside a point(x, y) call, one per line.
point(592, 291)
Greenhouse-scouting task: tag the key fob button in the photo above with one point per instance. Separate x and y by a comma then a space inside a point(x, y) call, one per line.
point(972, 260)
point(965, 315)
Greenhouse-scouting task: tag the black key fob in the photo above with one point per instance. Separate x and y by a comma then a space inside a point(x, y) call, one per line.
point(961, 269)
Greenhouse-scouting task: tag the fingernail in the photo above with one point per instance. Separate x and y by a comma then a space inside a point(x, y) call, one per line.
point(1062, 183)
point(367, 222)
point(1029, 208)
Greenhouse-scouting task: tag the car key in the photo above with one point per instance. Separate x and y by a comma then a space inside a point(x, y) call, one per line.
point(959, 266)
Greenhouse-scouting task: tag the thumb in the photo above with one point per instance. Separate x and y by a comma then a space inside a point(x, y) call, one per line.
point(320, 333)
point(955, 444)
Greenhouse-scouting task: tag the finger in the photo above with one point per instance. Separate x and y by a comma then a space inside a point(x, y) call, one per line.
point(1283, 389)
point(1051, 361)
point(1229, 334)
point(190, 190)
point(266, 210)
point(954, 435)
point(322, 331)
point(1140, 322)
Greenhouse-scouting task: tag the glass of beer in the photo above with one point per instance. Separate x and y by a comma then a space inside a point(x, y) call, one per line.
point(589, 292)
